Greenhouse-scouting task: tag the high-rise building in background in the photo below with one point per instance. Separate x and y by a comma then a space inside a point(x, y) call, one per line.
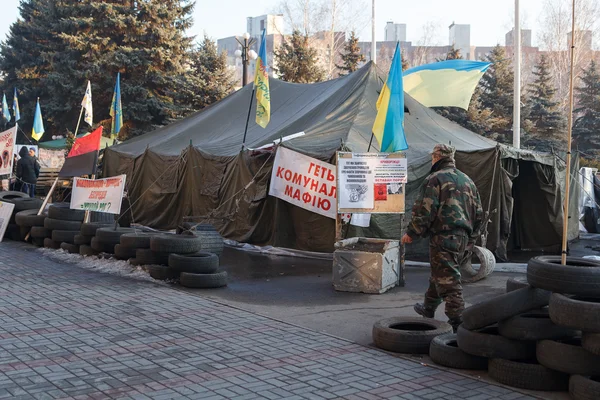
point(460, 38)
point(395, 32)
point(509, 38)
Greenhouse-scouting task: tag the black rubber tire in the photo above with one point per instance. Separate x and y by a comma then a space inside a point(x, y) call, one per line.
point(102, 247)
point(576, 313)
point(29, 218)
point(71, 248)
point(134, 261)
point(111, 235)
point(504, 306)
point(591, 342)
point(27, 204)
point(444, 351)
point(124, 252)
point(534, 325)
point(89, 228)
point(13, 232)
point(80, 239)
point(63, 212)
point(51, 244)
point(52, 224)
point(527, 375)
point(513, 284)
point(203, 281)
point(180, 244)
point(211, 241)
point(149, 257)
point(567, 356)
point(415, 338)
point(191, 227)
point(584, 388)
point(488, 343)
point(580, 276)
point(39, 232)
point(196, 263)
point(161, 273)
point(137, 240)
point(64, 236)
point(87, 251)
point(39, 242)
point(10, 196)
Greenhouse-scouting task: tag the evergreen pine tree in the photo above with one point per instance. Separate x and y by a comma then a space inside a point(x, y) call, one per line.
point(541, 109)
point(453, 54)
point(351, 56)
point(497, 91)
point(586, 129)
point(297, 62)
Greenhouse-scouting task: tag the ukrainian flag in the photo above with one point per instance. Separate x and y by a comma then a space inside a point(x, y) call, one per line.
point(5, 111)
point(38, 124)
point(116, 110)
point(388, 128)
point(16, 106)
point(261, 85)
point(448, 83)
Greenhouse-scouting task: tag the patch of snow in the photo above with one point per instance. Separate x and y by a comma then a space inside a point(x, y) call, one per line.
point(105, 265)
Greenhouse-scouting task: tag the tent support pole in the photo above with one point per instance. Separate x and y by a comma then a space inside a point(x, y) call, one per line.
point(569, 135)
point(248, 119)
point(370, 143)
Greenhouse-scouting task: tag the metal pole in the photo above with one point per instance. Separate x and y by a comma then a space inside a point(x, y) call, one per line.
point(517, 75)
point(248, 118)
point(569, 135)
point(244, 63)
point(373, 41)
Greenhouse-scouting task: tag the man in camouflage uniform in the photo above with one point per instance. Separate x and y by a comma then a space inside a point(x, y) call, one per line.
point(449, 211)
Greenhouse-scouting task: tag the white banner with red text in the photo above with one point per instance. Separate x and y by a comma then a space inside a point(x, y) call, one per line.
point(7, 144)
point(304, 181)
point(101, 195)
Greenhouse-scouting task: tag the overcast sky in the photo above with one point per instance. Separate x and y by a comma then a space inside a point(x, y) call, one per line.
point(490, 20)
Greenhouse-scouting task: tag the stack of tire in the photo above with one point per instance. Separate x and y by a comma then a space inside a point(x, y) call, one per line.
point(531, 336)
point(25, 217)
point(210, 239)
point(86, 235)
point(130, 243)
point(107, 237)
point(31, 223)
point(62, 225)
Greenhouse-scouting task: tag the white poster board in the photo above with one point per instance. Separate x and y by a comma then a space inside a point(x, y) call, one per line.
point(101, 195)
point(6, 210)
point(304, 181)
point(7, 144)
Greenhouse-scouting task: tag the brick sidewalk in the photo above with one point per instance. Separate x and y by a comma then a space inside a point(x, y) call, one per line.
point(67, 332)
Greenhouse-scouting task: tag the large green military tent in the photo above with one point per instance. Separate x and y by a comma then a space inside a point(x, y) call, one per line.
point(195, 167)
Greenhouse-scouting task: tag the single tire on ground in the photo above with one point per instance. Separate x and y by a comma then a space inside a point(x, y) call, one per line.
point(81, 239)
point(149, 257)
point(534, 325)
point(137, 239)
point(39, 232)
point(64, 212)
point(527, 375)
point(71, 248)
point(504, 306)
point(488, 343)
point(27, 204)
point(102, 247)
point(591, 342)
point(124, 252)
point(111, 235)
point(407, 334)
point(52, 224)
point(161, 272)
point(64, 236)
point(87, 251)
point(89, 228)
point(513, 284)
point(180, 244)
point(584, 388)
point(580, 276)
point(444, 351)
point(29, 218)
point(196, 263)
point(203, 281)
point(10, 196)
point(51, 244)
point(568, 356)
point(577, 313)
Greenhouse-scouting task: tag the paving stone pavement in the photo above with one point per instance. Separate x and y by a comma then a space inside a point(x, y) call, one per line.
point(68, 332)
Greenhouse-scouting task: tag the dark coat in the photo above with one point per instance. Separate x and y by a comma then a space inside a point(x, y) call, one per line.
point(28, 168)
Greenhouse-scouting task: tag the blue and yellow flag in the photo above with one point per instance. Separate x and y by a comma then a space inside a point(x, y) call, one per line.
point(5, 110)
point(116, 110)
point(448, 83)
point(389, 123)
point(38, 124)
point(16, 106)
point(261, 85)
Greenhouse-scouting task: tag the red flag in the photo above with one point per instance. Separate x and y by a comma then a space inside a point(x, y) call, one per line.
point(83, 156)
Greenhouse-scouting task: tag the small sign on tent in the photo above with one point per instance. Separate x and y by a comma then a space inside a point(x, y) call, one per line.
point(102, 195)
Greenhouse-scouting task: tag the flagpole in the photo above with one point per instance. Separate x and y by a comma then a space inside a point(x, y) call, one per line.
point(248, 118)
point(78, 121)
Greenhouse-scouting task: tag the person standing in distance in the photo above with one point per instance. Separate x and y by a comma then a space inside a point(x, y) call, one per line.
point(28, 171)
point(449, 211)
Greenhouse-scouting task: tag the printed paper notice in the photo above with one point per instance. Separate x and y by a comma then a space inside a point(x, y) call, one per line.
point(356, 183)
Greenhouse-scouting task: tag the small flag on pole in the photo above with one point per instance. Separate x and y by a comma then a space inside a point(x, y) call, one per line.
point(87, 104)
point(261, 84)
point(38, 124)
point(16, 106)
point(5, 110)
point(83, 156)
point(389, 123)
point(116, 111)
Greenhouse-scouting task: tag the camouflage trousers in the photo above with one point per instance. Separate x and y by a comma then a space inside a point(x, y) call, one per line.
point(446, 254)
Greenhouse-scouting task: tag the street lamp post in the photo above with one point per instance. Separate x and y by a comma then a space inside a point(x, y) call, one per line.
point(246, 54)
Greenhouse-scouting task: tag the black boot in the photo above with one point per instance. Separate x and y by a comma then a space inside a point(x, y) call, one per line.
point(424, 311)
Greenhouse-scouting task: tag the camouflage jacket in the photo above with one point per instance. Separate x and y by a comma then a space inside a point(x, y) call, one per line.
point(448, 203)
